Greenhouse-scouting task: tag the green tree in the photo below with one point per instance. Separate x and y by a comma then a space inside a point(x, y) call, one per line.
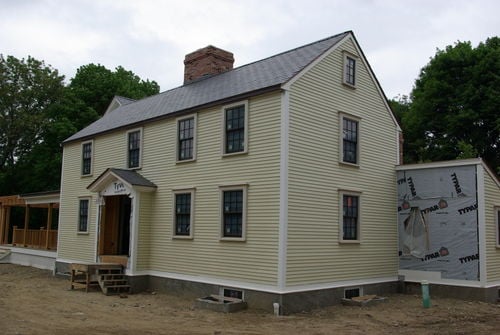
point(455, 105)
point(27, 88)
point(96, 86)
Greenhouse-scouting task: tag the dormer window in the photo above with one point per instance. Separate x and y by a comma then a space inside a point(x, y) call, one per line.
point(349, 70)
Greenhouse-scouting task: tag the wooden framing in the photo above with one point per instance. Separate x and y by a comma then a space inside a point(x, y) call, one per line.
point(42, 238)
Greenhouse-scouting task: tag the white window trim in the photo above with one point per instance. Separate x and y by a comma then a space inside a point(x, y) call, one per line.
point(343, 116)
point(346, 55)
point(195, 130)
point(91, 159)
point(191, 217)
point(222, 189)
point(141, 146)
point(245, 134)
point(78, 231)
point(341, 217)
point(497, 226)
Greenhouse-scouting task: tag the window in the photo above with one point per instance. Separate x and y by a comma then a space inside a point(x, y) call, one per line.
point(235, 128)
point(349, 70)
point(350, 204)
point(186, 139)
point(87, 158)
point(233, 212)
point(134, 149)
point(350, 139)
point(232, 293)
point(350, 293)
point(183, 213)
point(497, 215)
point(83, 217)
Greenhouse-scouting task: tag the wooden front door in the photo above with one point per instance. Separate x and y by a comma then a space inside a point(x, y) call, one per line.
point(114, 234)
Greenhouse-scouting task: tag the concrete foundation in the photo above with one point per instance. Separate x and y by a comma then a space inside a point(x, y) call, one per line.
point(289, 303)
point(297, 301)
point(491, 294)
point(40, 259)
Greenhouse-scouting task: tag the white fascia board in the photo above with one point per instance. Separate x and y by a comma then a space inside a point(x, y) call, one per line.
point(349, 36)
point(432, 165)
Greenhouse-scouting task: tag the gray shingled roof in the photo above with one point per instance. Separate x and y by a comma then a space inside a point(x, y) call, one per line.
point(264, 74)
point(133, 178)
point(130, 176)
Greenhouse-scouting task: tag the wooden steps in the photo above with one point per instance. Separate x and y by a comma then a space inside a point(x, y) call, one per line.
point(112, 280)
point(109, 277)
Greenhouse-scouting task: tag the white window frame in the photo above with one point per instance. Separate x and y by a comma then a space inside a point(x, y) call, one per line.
point(83, 232)
point(192, 192)
point(357, 119)
point(359, 288)
point(91, 142)
point(357, 194)
point(177, 120)
point(245, 133)
point(141, 146)
point(222, 189)
point(497, 225)
point(346, 56)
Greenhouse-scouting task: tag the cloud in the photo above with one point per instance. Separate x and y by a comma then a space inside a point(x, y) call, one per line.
point(151, 37)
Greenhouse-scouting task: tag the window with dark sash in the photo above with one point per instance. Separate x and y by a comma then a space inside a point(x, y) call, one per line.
point(182, 214)
point(186, 139)
point(232, 208)
point(83, 218)
point(349, 140)
point(235, 129)
point(134, 149)
point(350, 213)
point(350, 71)
point(86, 158)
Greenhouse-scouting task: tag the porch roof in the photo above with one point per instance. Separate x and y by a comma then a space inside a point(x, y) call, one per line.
point(130, 177)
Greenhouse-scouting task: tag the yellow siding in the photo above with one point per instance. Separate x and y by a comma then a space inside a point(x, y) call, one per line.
point(315, 178)
point(492, 200)
point(254, 260)
point(109, 151)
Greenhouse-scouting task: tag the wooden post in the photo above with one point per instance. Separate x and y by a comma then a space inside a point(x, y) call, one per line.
point(2, 223)
point(7, 224)
point(49, 223)
point(26, 223)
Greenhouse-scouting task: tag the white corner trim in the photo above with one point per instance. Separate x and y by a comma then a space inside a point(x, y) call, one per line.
point(134, 231)
point(283, 212)
point(481, 223)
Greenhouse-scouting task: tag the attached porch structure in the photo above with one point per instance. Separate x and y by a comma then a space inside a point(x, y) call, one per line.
point(37, 228)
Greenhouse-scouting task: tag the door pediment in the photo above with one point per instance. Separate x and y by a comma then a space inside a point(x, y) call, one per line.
point(120, 182)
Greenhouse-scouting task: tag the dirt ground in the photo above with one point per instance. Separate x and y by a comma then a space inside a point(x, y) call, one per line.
point(32, 301)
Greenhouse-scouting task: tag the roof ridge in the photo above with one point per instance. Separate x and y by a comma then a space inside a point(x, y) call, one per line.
point(264, 59)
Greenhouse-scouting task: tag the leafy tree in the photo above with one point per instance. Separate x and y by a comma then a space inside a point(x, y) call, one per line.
point(96, 86)
point(37, 113)
point(27, 88)
point(455, 105)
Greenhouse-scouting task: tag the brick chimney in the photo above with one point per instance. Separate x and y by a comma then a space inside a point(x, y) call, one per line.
point(206, 62)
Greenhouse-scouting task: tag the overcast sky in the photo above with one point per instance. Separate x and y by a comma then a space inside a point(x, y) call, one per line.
point(151, 38)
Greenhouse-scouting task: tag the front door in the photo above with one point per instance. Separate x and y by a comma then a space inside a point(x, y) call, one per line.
point(114, 234)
